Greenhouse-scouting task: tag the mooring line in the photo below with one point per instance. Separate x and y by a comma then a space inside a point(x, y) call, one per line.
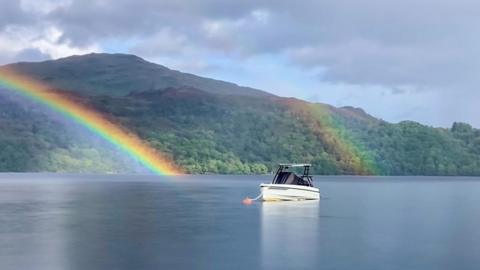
point(248, 201)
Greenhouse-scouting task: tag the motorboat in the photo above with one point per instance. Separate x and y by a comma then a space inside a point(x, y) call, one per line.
point(288, 186)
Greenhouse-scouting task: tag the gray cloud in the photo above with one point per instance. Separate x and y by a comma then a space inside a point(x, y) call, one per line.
point(11, 13)
point(25, 55)
point(31, 55)
point(84, 21)
point(430, 43)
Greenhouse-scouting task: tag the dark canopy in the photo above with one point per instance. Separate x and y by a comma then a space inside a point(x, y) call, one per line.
point(288, 178)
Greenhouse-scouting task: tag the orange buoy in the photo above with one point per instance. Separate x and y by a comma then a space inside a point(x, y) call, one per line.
point(247, 201)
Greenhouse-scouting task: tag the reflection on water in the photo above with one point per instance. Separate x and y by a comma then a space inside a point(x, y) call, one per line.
point(289, 234)
point(198, 222)
point(31, 232)
point(127, 225)
point(126, 222)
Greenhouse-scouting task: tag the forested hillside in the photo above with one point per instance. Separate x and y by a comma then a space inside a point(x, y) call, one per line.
point(205, 130)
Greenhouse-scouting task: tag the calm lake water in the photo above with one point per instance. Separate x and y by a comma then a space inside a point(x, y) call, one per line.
point(198, 222)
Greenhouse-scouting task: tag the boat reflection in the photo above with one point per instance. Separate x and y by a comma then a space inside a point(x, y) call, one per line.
point(289, 234)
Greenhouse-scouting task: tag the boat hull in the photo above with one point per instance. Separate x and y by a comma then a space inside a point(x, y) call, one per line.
point(281, 192)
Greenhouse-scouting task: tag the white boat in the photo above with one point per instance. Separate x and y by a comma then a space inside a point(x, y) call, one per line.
point(287, 186)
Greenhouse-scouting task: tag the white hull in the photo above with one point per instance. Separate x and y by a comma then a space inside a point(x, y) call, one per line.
point(281, 192)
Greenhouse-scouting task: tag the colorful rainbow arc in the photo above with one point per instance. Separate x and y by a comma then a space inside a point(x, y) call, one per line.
point(92, 120)
point(349, 153)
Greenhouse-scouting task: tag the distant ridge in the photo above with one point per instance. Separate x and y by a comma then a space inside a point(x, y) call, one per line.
point(120, 75)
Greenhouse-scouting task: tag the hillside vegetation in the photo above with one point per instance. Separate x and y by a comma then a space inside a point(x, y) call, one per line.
point(209, 126)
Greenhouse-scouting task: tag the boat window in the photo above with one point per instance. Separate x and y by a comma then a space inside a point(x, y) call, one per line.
point(290, 178)
point(282, 177)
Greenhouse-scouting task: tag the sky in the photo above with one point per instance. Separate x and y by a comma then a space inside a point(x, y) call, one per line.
point(398, 60)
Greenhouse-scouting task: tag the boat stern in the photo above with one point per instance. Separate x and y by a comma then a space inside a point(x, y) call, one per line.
point(277, 192)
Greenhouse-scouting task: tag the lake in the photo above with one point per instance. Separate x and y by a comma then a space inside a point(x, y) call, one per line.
point(198, 222)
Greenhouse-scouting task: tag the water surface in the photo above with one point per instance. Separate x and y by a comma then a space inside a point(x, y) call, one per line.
point(198, 222)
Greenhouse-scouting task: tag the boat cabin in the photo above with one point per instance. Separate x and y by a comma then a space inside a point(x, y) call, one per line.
point(285, 175)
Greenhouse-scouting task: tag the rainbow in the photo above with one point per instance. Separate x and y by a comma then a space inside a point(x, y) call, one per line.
point(350, 155)
point(90, 119)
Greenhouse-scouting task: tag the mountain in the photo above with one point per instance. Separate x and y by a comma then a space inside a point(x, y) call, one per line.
point(120, 75)
point(210, 126)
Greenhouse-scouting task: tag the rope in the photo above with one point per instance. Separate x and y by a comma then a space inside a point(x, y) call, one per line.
point(249, 201)
point(258, 197)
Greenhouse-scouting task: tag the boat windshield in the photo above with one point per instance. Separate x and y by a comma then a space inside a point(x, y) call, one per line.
point(290, 178)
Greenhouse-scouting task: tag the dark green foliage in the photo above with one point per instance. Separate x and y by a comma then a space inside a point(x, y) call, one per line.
point(204, 130)
point(409, 148)
point(206, 133)
point(31, 140)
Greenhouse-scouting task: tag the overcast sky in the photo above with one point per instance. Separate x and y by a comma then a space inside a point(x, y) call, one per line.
point(399, 60)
